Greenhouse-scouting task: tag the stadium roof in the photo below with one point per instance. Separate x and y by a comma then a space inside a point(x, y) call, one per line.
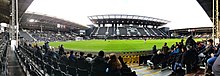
point(198, 29)
point(127, 19)
point(207, 6)
point(37, 21)
point(5, 6)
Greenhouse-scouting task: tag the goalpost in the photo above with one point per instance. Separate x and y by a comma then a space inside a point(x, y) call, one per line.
point(79, 38)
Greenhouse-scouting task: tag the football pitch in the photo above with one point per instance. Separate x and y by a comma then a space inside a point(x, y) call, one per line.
point(115, 45)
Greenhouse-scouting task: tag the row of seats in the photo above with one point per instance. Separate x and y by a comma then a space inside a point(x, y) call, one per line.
point(3, 56)
point(123, 31)
point(35, 65)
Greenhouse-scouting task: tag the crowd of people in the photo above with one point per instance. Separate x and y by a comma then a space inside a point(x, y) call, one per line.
point(191, 56)
point(51, 36)
point(87, 65)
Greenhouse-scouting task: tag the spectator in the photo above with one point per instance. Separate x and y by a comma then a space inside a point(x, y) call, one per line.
point(76, 55)
point(114, 66)
point(107, 57)
point(190, 42)
point(216, 67)
point(46, 46)
point(121, 61)
point(72, 59)
point(61, 49)
point(209, 48)
point(89, 58)
point(64, 58)
point(67, 54)
point(172, 47)
point(154, 49)
point(165, 49)
point(83, 65)
point(99, 65)
point(189, 58)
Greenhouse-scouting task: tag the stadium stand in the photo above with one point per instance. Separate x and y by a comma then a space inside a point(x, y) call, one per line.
point(126, 26)
point(32, 35)
point(26, 35)
point(49, 63)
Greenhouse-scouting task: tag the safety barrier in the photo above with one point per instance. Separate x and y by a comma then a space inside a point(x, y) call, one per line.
point(131, 59)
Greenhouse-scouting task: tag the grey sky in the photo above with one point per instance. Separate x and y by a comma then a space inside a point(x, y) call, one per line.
point(181, 13)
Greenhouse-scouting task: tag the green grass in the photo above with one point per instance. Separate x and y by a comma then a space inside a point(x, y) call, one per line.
point(115, 45)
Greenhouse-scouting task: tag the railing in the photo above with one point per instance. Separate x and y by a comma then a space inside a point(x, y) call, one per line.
point(34, 65)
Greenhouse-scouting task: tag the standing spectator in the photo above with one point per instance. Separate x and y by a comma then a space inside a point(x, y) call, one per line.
point(114, 66)
point(190, 42)
point(154, 49)
point(46, 46)
point(165, 49)
point(99, 65)
point(61, 49)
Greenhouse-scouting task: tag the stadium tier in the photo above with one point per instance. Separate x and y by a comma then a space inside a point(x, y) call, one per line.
point(123, 31)
point(122, 25)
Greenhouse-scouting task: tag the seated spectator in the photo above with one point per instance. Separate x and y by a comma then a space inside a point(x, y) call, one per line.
point(76, 55)
point(99, 65)
point(64, 58)
point(89, 58)
point(67, 54)
point(189, 58)
point(72, 59)
point(177, 69)
point(114, 66)
point(208, 52)
point(122, 62)
point(82, 65)
point(107, 57)
point(157, 59)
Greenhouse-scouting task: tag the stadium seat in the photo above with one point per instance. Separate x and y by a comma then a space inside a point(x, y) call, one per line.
point(48, 69)
point(72, 71)
point(62, 67)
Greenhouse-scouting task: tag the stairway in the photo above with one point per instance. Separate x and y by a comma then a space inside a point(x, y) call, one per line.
point(14, 68)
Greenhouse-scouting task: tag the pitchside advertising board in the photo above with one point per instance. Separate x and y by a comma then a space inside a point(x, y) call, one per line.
point(82, 32)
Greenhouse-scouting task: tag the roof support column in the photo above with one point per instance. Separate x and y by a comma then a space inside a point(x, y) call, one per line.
point(103, 25)
point(113, 29)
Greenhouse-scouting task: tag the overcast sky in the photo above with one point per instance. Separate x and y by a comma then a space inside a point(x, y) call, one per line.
point(181, 13)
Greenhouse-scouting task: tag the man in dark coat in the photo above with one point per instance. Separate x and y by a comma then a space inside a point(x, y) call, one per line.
point(61, 50)
point(190, 42)
point(99, 65)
